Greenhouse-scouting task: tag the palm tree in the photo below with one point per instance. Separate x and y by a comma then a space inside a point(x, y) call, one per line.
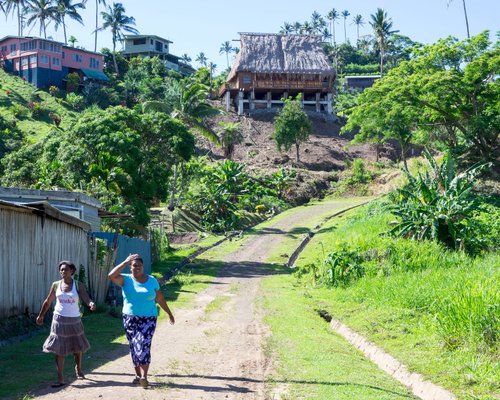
point(185, 59)
point(381, 25)
point(306, 28)
point(202, 59)
point(72, 40)
point(358, 21)
point(317, 22)
point(332, 16)
point(97, 2)
point(226, 48)
point(68, 8)
point(297, 26)
point(42, 11)
point(345, 14)
point(466, 19)
point(19, 7)
point(211, 68)
point(286, 29)
point(116, 20)
point(230, 136)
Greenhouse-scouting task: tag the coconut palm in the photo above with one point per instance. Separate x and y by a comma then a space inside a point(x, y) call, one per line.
point(16, 7)
point(43, 12)
point(202, 59)
point(297, 26)
point(116, 20)
point(465, 14)
point(68, 8)
point(286, 29)
point(185, 59)
point(72, 40)
point(230, 136)
point(332, 16)
point(306, 28)
point(358, 21)
point(381, 25)
point(226, 48)
point(345, 14)
point(97, 2)
point(317, 22)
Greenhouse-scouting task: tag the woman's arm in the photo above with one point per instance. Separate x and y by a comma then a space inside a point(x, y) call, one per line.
point(163, 304)
point(82, 292)
point(115, 273)
point(45, 306)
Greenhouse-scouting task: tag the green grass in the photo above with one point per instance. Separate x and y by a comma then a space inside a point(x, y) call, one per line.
point(435, 310)
point(20, 94)
point(312, 361)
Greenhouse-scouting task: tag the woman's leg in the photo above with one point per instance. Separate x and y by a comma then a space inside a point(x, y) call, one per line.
point(144, 371)
point(78, 364)
point(60, 368)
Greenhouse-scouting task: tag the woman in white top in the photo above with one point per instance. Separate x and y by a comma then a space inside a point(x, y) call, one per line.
point(66, 332)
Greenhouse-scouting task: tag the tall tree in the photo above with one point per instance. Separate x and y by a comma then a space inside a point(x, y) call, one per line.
point(317, 22)
point(345, 14)
point(116, 20)
point(358, 21)
point(332, 16)
point(185, 59)
point(465, 14)
point(68, 8)
point(226, 48)
point(286, 28)
point(43, 12)
point(97, 2)
point(292, 126)
point(18, 7)
point(381, 25)
point(202, 59)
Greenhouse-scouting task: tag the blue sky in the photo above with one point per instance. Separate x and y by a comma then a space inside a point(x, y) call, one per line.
point(199, 25)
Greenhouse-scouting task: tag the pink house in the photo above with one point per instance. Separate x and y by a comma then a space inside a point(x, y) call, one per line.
point(44, 62)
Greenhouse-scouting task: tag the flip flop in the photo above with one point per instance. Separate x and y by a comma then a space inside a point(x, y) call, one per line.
point(79, 375)
point(57, 385)
point(144, 383)
point(136, 380)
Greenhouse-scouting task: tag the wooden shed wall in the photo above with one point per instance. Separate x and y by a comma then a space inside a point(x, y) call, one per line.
point(31, 247)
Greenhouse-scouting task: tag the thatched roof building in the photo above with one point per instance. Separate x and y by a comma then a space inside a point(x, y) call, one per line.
point(269, 67)
point(274, 53)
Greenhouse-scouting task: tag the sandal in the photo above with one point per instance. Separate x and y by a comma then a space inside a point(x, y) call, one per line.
point(144, 383)
point(79, 375)
point(57, 384)
point(136, 380)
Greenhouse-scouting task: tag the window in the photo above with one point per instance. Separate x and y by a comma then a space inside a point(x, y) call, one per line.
point(4, 49)
point(27, 46)
point(56, 61)
point(44, 59)
point(151, 41)
point(33, 59)
point(94, 62)
point(77, 57)
point(24, 61)
point(13, 48)
point(159, 47)
point(138, 42)
point(63, 55)
point(247, 79)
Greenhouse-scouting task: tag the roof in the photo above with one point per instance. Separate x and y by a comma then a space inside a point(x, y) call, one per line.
point(46, 209)
point(93, 74)
point(18, 194)
point(146, 36)
point(268, 53)
point(49, 40)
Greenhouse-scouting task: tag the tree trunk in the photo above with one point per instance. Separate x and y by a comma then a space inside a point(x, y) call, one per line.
point(96, 23)
point(297, 152)
point(171, 202)
point(403, 156)
point(114, 58)
point(64, 29)
point(466, 20)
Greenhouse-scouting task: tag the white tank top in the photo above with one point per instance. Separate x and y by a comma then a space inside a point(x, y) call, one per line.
point(67, 303)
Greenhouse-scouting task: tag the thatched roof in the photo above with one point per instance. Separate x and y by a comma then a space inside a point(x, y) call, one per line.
point(273, 53)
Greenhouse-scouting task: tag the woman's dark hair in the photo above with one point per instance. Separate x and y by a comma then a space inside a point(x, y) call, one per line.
point(138, 259)
point(69, 264)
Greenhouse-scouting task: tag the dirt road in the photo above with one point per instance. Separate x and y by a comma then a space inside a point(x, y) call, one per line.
point(214, 351)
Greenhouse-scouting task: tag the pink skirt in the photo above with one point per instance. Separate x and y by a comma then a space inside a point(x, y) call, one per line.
point(66, 336)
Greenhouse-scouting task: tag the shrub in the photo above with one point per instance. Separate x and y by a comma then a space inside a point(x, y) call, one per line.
point(18, 110)
point(75, 101)
point(439, 205)
point(342, 266)
point(35, 108)
point(54, 91)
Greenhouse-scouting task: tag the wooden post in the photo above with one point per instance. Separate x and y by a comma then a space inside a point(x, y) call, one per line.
point(269, 98)
point(329, 104)
point(252, 99)
point(228, 100)
point(240, 103)
point(318, 105)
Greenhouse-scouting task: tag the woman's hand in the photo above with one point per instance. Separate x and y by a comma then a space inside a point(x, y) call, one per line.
point(171, 318)
point(92, 306)
point(39, 320)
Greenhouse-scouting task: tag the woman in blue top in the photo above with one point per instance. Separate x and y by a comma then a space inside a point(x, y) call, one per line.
point(141, 292)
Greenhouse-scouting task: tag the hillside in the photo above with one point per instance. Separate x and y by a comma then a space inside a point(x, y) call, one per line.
point(27, 109)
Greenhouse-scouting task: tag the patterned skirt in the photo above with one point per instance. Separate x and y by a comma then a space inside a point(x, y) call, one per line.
point(139, 332)
point(66, 336)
